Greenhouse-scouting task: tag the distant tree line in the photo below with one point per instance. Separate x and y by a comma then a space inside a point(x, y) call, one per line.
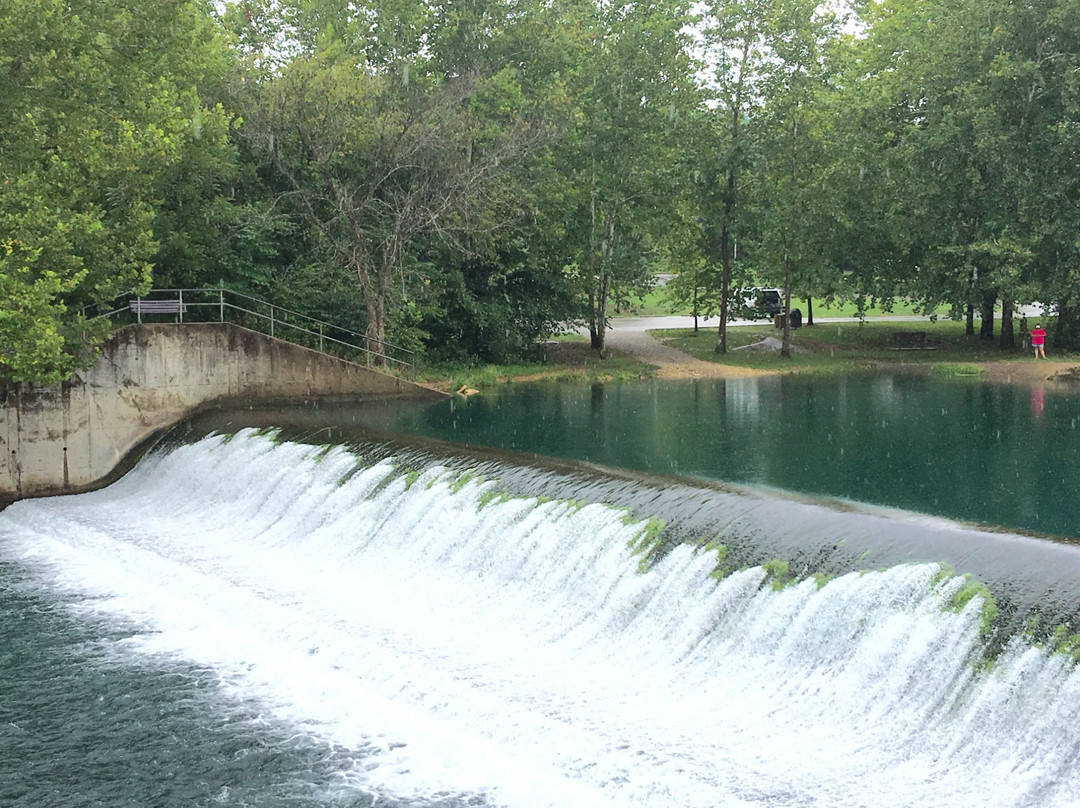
point(463, 178)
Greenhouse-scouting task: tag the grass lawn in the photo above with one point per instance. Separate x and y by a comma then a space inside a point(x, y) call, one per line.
point(655, 304)
point(829, 347)
point(823, 348)
point(562, 360)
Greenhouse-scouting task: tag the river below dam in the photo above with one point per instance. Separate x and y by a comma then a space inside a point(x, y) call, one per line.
point(331, 611)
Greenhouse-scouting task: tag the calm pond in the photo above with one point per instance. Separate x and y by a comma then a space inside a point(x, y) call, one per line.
point(994, 454)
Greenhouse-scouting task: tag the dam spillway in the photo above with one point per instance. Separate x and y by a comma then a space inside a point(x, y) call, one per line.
point(379, 622)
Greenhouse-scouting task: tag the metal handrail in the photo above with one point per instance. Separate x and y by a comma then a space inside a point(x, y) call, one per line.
point(277, 322)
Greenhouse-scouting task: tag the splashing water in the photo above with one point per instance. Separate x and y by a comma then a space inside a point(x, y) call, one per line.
point(510, 652)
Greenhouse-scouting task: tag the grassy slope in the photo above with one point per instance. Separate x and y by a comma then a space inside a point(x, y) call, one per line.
point(847, 346)
point(564, 360)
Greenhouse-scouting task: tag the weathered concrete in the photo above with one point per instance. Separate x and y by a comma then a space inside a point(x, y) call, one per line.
point(74, 436)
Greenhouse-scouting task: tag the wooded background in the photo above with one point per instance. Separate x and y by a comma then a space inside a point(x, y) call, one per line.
point(463, 178)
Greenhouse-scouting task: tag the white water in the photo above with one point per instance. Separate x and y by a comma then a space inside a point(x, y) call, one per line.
point(514, 651)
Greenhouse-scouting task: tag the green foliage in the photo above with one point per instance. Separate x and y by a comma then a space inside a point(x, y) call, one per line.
point(955, 369)
point(647, 543)
point(570, 507)
point(491, 497)
point(719, 571)
point(32, 342)
point(462, 479)
point(466, 178)
point(970, 107)
point(92, 126)
point(630, 94)
point(1064, 642)
point(399, 168)
point(493, 310)
point(821, 579)
point(323, 452)
point(963, 595)
point(777, 574)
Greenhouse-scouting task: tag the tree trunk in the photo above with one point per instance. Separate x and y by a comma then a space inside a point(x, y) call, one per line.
point(375, 332)
point(373, 293)
point(725, 278)
point(1008, 340)
point(598, 329)
point(695, 303)
point(1067, 327)
point(594, 332)
point(986, 327)
point(725, 232)
point(969, 327)
point(809, 311)
point(785, 348)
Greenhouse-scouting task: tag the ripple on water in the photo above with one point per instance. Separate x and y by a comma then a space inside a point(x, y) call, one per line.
point(84, 724)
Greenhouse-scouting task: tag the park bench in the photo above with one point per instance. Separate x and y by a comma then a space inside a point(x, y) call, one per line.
point(141, 307)
point(911, 341)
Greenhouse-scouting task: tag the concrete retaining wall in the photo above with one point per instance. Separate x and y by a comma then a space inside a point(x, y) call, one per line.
point(74, 436)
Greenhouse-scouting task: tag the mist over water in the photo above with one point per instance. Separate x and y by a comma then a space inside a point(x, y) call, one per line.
point(420, 636)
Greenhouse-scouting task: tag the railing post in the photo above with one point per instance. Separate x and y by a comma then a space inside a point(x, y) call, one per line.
point(138, 310)
point(221, 305)
point(321, 339)
point(180, 292)
point(271, 319)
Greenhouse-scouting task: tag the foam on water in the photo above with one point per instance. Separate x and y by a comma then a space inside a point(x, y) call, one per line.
point(510, 648)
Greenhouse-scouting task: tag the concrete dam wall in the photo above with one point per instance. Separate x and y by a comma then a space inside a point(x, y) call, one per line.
point(75, 436)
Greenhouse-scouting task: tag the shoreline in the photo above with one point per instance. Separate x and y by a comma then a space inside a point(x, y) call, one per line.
point(576, 362)
point(671, 363)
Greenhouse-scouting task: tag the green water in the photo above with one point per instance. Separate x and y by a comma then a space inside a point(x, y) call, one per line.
point(993, 454)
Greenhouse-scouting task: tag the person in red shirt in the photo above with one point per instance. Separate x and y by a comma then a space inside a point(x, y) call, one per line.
point(1038, 341)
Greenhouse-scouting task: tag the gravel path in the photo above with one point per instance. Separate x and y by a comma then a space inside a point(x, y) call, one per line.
point(629, 335)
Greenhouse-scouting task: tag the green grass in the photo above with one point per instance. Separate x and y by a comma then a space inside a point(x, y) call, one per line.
point(948, 369)
point(846, 346)
point(828, 347)
point(656, 304)
point(567, 361)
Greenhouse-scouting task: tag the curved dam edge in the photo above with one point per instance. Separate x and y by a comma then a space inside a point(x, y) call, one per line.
point(1032, 578)
point(85, 432)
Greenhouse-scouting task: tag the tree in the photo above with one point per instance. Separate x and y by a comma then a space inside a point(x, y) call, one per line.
point(632, 94)
point(374, 165)
point(981, 104)
point(91, 122)
point(495, 290)
point(734, 38)
point(792, 191)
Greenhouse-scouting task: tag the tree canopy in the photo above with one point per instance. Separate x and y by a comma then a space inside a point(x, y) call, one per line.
point(465, 178)
point(101, 100)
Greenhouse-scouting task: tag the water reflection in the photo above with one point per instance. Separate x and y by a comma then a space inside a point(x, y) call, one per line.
point(1000, 455)
point(1038, 401)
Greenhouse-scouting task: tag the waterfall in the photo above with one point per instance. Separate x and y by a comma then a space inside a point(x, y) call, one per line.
point(482, 646)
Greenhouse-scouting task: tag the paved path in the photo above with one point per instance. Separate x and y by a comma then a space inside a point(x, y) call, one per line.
point(629, 335)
